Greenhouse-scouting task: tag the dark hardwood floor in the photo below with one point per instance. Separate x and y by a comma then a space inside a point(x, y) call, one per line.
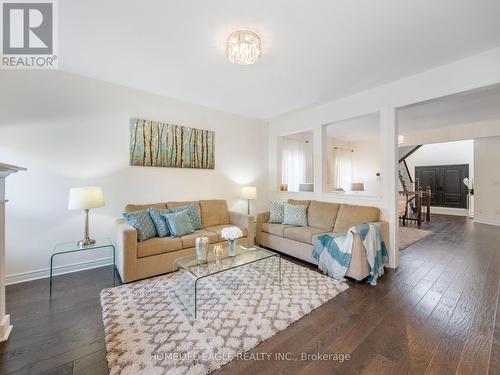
point(436, 314)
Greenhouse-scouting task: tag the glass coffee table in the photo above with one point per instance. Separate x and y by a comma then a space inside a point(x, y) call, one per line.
point(193, 271)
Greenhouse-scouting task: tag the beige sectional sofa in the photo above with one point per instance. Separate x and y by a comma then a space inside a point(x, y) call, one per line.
point(322, 217)
point(138, 260)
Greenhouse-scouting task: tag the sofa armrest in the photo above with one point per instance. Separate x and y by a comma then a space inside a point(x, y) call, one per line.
point(244, 221)
point(359, 267)
point(262, 218)
point(126, 249)
point(384, 225)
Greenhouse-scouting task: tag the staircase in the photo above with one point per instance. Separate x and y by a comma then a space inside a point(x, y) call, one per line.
point(404, 173)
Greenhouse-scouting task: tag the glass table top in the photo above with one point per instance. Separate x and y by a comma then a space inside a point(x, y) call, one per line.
point(73, 245)
point(211, 266)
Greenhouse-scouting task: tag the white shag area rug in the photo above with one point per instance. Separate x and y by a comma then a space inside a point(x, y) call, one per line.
point(147, 331)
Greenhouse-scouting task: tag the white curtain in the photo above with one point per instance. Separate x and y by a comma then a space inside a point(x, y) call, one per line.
point(296, 163)
point(342, 169)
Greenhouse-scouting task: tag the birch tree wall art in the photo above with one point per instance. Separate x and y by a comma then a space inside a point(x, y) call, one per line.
point(156, 144)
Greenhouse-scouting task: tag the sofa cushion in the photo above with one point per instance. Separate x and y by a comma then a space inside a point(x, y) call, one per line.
point(182, 204)
point(295, 215)
point(155, 246)
point(218, 228)
point(350, 215)
point(303, 234)
point(193, 210)
point(322, 214)
point(214, 212)
point(189, 239)
point(299, 202)
point(276, 212)
point(139, 207)
point(275, 229)
point(143, 224)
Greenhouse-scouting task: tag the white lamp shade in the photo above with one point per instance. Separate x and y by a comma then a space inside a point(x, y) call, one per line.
point(357, 186)
point(248, 192)
point(84, 198)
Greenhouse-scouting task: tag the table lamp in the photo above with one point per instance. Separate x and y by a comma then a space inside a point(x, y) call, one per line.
point(85, 198)
point(248, 192)
point(357, 186)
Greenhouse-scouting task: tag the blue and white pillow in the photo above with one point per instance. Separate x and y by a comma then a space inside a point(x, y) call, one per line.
point(276, 212)
point(159, 222)
point(142, 222)
point(192, 211)
point(295, 215)
point(179, 223)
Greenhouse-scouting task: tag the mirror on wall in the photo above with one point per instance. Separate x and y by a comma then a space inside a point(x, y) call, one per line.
point(351, 155)
point(297, 167)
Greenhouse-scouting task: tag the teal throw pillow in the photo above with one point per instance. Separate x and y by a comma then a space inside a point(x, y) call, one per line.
point(179, 223)
point(295, 215)
point(192, 211)
point(142, 222)
point(159, 221)
point(276, 212)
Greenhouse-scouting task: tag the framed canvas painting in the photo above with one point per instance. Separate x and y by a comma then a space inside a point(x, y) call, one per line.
point(157, 144)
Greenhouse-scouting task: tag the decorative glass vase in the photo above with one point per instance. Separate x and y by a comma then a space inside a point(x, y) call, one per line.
point(201, 245)
point(231, 250)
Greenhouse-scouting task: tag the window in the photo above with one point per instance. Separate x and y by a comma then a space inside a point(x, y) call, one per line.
point(297, 162)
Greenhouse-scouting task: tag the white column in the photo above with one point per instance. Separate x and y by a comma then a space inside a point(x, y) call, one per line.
point(389, 181)
point(5, 326)
point(318, 162)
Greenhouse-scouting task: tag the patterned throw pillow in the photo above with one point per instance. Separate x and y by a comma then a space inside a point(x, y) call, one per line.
point(295, 215)
point(276, 212)
point(192, 211)
point(142, 222)
point(179, 223)
point(159, 222)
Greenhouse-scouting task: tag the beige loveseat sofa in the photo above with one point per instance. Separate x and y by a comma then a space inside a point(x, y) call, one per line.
point(138, 260)
point(322, 217)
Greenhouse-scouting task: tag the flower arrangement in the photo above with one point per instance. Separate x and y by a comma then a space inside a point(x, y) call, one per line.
point(231, 233)
point(469, 182)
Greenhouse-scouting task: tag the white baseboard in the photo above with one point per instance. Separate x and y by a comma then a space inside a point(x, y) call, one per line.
point(489, 222)
point(448, 211)
point(59, 270)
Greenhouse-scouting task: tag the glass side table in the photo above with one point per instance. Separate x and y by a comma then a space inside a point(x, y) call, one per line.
point(72, 247)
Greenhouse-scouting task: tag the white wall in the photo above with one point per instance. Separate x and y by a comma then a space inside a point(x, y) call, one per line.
point(466, 74)
point(459, 152)
point(452, 133)
point(365, 163)
point(74, 131)
point(487, 180)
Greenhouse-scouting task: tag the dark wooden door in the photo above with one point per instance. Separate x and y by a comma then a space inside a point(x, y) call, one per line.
point(429, 176)
point(446, 182)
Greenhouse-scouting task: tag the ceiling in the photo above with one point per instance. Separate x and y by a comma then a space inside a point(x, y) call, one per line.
point(359, 128)
point(313, 51)
point(474, 106)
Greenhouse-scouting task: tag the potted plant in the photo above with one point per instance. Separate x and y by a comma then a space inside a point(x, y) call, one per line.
point(469, 182)
point(231, 234)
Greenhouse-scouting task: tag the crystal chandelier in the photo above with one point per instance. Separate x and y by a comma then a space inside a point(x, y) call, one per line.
point(243, 47)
